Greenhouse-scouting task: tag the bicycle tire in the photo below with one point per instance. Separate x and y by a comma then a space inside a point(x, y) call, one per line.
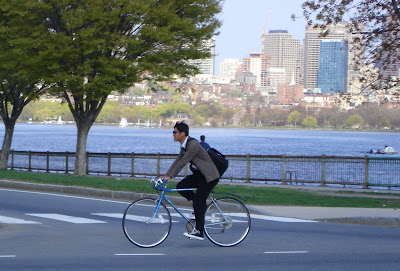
point(140, 229)
point(232, 230)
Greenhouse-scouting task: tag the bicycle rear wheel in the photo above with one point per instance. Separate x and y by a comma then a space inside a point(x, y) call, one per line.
point(227, 223)
point(142, 226)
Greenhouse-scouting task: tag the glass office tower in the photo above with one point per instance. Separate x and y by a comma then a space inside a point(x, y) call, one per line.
point(333, 64)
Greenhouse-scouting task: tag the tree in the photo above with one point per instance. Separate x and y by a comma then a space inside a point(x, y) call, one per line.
point(376, 22)
point(310, 121)
point(385, 123)
point(102, 46)
point(293, 117)
point(355, 121)
point(22, 70)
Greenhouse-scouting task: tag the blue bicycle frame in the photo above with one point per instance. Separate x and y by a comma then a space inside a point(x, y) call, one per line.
point(158, 185)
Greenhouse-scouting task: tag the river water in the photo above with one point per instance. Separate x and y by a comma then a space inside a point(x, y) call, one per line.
point(52, 137)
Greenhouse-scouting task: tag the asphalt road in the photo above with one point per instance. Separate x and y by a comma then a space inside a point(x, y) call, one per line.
point(44, 231)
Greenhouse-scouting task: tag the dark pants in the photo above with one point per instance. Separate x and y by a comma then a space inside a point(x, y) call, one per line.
point(199, 197)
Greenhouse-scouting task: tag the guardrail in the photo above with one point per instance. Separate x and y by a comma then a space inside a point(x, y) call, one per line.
point(323, 170)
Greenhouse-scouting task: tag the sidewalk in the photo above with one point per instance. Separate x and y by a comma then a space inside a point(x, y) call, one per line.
point(369, 216)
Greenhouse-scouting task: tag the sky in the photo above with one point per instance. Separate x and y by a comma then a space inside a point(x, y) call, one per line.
point(244, 20)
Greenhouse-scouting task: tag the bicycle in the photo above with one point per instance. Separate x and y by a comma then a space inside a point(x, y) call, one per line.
point(147, 222)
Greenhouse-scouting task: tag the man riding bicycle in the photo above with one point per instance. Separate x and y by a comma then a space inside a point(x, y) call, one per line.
point(205, 175)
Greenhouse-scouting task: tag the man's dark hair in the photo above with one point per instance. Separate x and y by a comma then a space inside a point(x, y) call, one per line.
point(181, 126)
point(202, 138)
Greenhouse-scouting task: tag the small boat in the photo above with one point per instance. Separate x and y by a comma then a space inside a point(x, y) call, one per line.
point(123, 123)
point(385, 150)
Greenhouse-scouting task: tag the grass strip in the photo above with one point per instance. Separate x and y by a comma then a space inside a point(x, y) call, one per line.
point(253, 195)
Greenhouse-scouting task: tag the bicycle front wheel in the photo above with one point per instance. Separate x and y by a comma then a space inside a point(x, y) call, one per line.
point(145, 227)
point(227, 222)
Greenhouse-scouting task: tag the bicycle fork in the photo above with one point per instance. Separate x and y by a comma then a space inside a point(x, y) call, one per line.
point(159, 200)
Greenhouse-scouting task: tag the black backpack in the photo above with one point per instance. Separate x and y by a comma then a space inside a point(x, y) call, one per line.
point(219, 160)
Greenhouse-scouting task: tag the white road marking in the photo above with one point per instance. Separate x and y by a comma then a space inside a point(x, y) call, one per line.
point(140, 254)
point(262, 217)
point(280, 219)
point(67, 218)
point(158, 219)
point(11, 220)
point(285, 252)
point(113, 215)
point(64, 196)
point(8, 256)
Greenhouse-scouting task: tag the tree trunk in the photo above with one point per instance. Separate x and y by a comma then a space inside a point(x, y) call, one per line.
point(80, 159)
point(8, 136)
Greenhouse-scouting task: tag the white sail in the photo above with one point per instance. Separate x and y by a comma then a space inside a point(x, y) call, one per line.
point(123, 123)
point(59, 121)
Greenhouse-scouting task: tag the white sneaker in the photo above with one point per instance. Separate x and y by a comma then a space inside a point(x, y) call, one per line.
point(195, 234)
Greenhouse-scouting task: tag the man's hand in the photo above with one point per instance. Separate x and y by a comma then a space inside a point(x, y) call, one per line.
point(166, 177)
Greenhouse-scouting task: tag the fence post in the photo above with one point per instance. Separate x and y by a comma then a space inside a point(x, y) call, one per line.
point(109, 164)
point(12, 159)
point(248, 169)
point(284, 169)
point(366, 183)
point(323, 176)
point(47, 162)
point(133, 165)
point(30, 161)
point(87, 163)
point(158, 164)
point(66, 163)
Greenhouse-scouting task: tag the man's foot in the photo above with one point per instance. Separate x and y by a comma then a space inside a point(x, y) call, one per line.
point(195, 234)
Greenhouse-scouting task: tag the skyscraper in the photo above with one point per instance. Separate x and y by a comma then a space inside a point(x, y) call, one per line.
point(206, 66)
point(333, 66)
point(285, 52)
point(311, 49)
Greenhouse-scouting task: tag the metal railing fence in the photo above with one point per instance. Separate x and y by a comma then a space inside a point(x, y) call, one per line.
point(323, 170)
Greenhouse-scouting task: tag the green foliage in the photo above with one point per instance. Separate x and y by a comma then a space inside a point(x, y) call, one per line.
point(384, 122)
point(355, 121)
point(293, 117)
point(310, 121)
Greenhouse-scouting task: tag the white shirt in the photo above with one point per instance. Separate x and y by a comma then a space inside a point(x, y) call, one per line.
point(184, 143)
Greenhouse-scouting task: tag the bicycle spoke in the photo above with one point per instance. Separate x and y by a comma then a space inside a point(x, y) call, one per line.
point(228, 223)
point(142, 227)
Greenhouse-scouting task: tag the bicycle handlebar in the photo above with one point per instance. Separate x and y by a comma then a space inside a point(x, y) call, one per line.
point(158, 182)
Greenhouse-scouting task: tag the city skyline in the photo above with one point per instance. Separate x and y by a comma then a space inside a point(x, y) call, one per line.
point(244, 21)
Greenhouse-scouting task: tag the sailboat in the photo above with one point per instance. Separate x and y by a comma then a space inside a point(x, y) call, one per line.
point(59, 121)
point(123, 123)
point(159, 125)
point(148, 124)
point(138, 123)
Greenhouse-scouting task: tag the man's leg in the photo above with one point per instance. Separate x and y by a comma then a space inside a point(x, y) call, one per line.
point(199, 200)
point(188, 182)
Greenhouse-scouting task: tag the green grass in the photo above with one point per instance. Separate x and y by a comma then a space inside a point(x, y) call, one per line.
point(253, 195)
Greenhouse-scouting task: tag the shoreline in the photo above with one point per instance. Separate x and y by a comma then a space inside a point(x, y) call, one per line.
point(236, 127)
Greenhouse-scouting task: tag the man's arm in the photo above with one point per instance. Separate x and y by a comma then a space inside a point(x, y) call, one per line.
point(192, 148)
